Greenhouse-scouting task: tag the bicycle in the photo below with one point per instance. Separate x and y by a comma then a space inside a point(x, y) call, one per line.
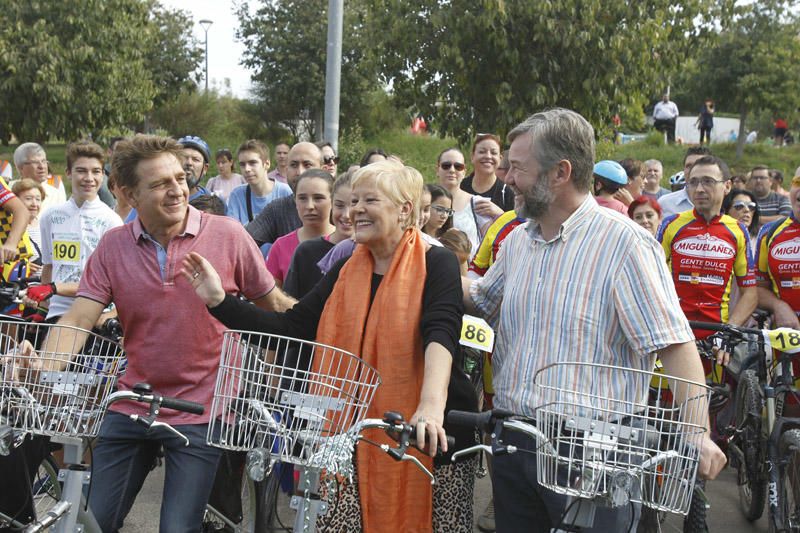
point(600, 451)
point(766, 449)
point(303, 404)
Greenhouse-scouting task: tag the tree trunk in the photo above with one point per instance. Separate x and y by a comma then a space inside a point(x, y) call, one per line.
point(742, 135)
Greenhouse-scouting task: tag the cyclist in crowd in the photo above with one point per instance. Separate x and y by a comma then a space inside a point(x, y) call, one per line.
point(137, 265)
point(223, 184)
point(413, 346)
point(282, 160)
point(779, 265)
point(653, 173)
point(772, 205)
point(456, 241)
point(609, 178)
point(530, 294)
point(248, 200)
point(450, 171)
point(486, 157)
point(741, 204)
point(646, 212)
point(31, 193)
point(280, 217)
point(303, 271)
point(31, 162)
point(678, 201)
point(121, 207)
point(441, 218)
point(313, 191)
point(776, 176)
point(209, 203)
point(70, 232)
point(708, 252)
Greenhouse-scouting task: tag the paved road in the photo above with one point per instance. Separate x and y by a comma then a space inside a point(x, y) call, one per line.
point(724, 515)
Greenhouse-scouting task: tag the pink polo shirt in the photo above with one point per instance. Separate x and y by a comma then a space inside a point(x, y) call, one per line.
point(171, 340)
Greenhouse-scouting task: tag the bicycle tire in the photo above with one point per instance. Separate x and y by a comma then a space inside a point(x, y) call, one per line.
point(650, 521)
point(752, 482)
point(789, 480)
point(695, 520)
point(45, 488)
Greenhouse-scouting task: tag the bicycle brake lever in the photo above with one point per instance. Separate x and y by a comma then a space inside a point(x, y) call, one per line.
point(419, 465)
point(471, 449)
point(171, 429)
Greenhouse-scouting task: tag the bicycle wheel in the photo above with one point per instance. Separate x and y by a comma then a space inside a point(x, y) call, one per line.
point(695, 521)
point(751, 476)
point(789, 480)
point(651, 520)
point(46, 489)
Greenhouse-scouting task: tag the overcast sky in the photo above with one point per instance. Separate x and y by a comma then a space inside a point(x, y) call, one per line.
point(224, 52)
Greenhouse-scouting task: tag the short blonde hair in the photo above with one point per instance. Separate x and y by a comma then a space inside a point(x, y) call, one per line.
point(20, 186)
point(398, 182)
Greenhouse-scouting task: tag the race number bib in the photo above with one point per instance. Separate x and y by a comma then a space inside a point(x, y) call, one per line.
point(67, 251)
point(786, 340)
point(476, 333)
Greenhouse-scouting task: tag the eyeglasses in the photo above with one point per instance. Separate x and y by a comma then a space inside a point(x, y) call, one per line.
point(442, 210)
point(706, 182)
point(328, 159)
point(751, 206)
point(447, 165)
point(37, 162)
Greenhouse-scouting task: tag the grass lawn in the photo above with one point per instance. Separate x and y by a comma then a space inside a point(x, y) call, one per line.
point(421, 152)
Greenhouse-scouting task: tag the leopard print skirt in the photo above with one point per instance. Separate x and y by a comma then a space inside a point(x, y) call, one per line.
point(452, 501)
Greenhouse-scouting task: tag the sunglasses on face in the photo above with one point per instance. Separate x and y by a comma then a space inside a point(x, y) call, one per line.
point(331, 159)
point(442, 210)
point(447, 165)
point(751, 206)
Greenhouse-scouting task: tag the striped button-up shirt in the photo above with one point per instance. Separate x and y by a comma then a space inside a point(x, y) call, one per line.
point(599, 292)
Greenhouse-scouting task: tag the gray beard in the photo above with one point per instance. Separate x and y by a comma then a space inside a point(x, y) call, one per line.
point(537, 201)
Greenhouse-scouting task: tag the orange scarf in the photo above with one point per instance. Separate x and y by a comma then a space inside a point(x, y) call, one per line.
point(387, 336)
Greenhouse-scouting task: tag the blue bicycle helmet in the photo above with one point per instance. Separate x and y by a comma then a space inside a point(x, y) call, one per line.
point(611, 171)
point(193, 141)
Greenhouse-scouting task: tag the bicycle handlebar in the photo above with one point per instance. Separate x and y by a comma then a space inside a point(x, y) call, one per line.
point(170, 403)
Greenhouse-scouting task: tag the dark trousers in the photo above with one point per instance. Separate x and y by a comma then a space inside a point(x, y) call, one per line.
point(668, 126)
point(17, 471)
point(705, 133)
point(123, 456)
point(521, 504)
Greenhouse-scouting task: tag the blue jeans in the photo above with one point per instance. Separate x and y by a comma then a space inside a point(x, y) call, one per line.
point(521, 504)
point(123, 456)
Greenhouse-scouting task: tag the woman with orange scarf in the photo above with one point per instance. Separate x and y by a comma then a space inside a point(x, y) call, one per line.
point(397, 303)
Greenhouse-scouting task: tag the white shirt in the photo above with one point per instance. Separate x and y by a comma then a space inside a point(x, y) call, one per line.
point(675, 202)
point(665, 110)
point(69, 236)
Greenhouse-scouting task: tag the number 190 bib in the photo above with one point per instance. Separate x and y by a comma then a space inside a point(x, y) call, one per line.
point(67, 251)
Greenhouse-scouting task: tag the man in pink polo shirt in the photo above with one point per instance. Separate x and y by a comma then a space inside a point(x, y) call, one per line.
point(171, 341)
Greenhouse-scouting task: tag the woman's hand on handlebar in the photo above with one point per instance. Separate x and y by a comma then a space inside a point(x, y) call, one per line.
point(428, 423)
point(203, 278)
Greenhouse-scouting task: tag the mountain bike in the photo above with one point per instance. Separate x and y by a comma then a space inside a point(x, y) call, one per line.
point(604, 450)
point(767, 450)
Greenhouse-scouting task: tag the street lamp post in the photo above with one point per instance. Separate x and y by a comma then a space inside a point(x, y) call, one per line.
point(205, 23)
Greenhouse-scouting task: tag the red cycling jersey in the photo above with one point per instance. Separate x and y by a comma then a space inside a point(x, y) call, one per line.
point(704, 256)
point(779, 259)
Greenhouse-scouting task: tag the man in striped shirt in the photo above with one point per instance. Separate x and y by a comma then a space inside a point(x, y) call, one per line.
point(573, 283)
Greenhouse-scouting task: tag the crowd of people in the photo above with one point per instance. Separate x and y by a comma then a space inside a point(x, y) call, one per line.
point(553, 248)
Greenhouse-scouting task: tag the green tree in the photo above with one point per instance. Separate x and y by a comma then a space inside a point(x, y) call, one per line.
point(174, 55)
point(752, 65)
point(485, 65)
point(285, 43)
point(78, 67)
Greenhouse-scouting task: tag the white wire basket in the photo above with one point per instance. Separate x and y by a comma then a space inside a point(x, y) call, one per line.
point(60, 388)
point(621, 437)
point(297, 400)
